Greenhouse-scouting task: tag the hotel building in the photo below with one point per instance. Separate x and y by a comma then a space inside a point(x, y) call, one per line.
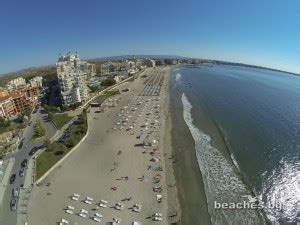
point(15, 83)
point(72, 74)
point(36, 82)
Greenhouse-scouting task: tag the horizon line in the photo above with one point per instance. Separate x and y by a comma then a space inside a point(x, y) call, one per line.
point(153, 55)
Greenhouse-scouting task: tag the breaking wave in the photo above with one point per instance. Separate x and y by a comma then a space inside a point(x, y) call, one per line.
point(178, 77)
point(221, 179)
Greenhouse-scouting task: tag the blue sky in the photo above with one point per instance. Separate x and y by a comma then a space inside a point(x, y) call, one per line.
point(260, 32)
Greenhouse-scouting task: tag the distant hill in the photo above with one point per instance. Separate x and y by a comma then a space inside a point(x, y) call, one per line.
point(27, 70)
point(47, 72)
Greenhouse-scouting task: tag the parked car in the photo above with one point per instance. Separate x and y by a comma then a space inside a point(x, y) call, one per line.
point(12, 178)
point(24, 163)
point(22, 172)
point(13, 204)
point(15, 192)
point(21, 144)
point(33, 151)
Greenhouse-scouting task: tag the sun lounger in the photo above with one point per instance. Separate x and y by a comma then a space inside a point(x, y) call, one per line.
point(89, 198)
point(64, 221)
point(69, 211)
point(87, 202)
point(76, 195)
point(159, 198)
point(98, 215)
point(119, 206)
point(82, 215)
point(97, 219)
point(102, 205)
point(156, 218)
point(84, 211)
point(104, 201)
point(70, 207)
point(74, 198)
point(137, 208)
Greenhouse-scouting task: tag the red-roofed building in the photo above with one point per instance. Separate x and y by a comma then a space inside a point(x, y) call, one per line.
point(21, 102)
point(7, 107)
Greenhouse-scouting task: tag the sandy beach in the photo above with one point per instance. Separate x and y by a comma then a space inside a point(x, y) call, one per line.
point(122, 169)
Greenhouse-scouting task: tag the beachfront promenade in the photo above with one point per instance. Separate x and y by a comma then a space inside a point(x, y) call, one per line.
point(121, 162)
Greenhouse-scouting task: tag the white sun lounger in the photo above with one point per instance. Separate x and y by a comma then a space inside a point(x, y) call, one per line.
point(89, 198)
point(76, 195)
point(70, 207)
point(87, 202)
point(82, 215)
point(158, 198)
point(136, 223)
point(102, 205)
point(98, 215)
point(69, 211)
point(75, 198)
point(64, 221)
point(119, 206)
point(137, 208)
point(97, 219)
point(104, 201)
point(84, 211)
point(157, 218)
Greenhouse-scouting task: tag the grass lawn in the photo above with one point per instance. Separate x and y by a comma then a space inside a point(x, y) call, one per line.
point(55, 151)
point(60, 119)
point(48, 158)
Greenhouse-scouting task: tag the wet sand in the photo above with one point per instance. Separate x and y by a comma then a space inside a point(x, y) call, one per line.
point(189, 180)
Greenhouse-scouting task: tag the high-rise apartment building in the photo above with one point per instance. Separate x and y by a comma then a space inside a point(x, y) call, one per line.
point(72, 74)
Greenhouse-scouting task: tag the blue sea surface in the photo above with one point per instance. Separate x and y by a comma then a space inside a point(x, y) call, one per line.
point(258, 114)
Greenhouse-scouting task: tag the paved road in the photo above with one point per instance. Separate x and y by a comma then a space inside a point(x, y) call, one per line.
point(8, 217)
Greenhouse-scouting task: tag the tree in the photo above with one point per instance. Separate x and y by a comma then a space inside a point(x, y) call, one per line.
point(39, 129)
point(47, 142)
point(70, 143)
point(4, 122)
point(108, 82)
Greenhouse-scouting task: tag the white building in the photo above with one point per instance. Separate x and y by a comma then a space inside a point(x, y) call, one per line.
point(13, 84)
point(36, 82)
point(119, 78)
point(72, 75)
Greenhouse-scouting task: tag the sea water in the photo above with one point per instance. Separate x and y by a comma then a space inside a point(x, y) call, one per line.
point(258, 115)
